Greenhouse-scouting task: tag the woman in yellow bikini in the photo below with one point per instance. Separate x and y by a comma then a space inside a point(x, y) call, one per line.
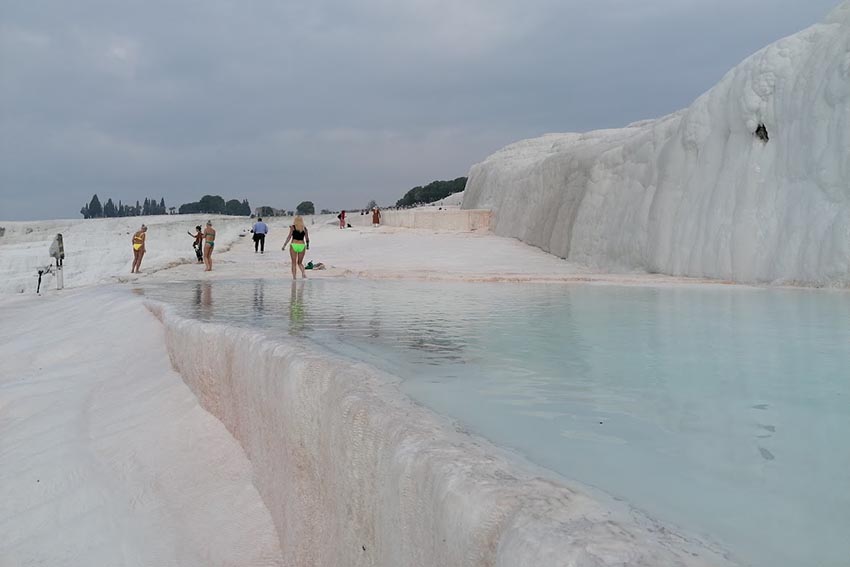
point(209, 236)
point(300, 244)
point(138, 249)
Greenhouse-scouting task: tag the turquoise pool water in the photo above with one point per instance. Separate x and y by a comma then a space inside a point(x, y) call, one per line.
point(722, 409)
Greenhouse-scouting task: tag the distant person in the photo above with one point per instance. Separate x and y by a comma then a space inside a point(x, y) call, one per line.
point(209, 236)
point(341, 217)
point(300, 244)
point(138, 249)
point(376, 216)
point(260, 231)
point(198, 245)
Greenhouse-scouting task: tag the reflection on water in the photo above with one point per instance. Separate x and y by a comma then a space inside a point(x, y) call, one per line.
point(311, 310)
point(297, 313)
point(259, 295)
point(722, 409)
point(203, 297)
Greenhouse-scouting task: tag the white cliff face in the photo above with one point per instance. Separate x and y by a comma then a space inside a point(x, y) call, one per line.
point(697, 193)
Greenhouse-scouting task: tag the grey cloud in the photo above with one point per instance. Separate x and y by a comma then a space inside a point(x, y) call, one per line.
point(335, 101)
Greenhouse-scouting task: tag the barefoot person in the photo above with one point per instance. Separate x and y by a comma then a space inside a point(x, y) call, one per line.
point(138, 249)
point(376, 216)
point(209, 236)
point(300, 244)
point(198, 245)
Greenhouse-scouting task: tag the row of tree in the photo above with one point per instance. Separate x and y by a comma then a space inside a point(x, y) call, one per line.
point(434, 191)
point(303, 208)
point(211, 204)
point(214, 204)
point(94, 210)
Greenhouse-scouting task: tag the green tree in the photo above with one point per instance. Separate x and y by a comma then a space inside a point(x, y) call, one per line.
point(109, 210)
point(434, 191)
point(189, 208)
point(233, 207)
point(95, 209)
point(305, 208)
point(372, 204)
point(212, 204)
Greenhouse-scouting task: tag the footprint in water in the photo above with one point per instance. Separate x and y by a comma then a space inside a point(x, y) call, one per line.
point(761, 406)
point(766, 455)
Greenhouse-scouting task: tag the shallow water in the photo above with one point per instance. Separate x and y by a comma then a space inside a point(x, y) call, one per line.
point(722, 409)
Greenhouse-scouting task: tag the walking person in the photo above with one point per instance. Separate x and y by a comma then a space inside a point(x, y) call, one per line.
point(300, 244)
point(138, 249)
point(198, 245)
point(376, 216)
point(260, 231)
point(209, 236)
point(341, 217)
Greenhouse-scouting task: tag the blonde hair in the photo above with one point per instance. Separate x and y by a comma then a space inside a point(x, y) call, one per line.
point(298, 222)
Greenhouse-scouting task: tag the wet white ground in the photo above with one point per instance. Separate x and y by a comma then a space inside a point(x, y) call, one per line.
point(107, 456)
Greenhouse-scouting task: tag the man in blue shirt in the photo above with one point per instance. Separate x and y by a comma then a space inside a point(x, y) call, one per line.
point(260, 231)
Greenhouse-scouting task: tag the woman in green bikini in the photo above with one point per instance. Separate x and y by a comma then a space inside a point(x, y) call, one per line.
point(300, 244)
point(209, 237)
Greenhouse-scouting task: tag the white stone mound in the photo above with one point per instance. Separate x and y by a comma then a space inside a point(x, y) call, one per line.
point(702, 192)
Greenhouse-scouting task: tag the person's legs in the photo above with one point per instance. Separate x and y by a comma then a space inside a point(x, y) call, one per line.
point(207, 257)
point(262, 244)
point(301, 264)
point(294, 257)
point(256, 242)
point(139, 265)
point(136, 261)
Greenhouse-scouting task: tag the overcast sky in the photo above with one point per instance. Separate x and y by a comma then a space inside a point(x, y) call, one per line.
point(337, 102)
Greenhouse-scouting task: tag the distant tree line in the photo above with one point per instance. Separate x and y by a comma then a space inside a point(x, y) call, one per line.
point(94, 210)
point(269, 211)
point(303, 208)
point(434, 191)
point(214, 204)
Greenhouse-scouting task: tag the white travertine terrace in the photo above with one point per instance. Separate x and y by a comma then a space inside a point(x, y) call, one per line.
point(697, 193)
point(354, 473)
